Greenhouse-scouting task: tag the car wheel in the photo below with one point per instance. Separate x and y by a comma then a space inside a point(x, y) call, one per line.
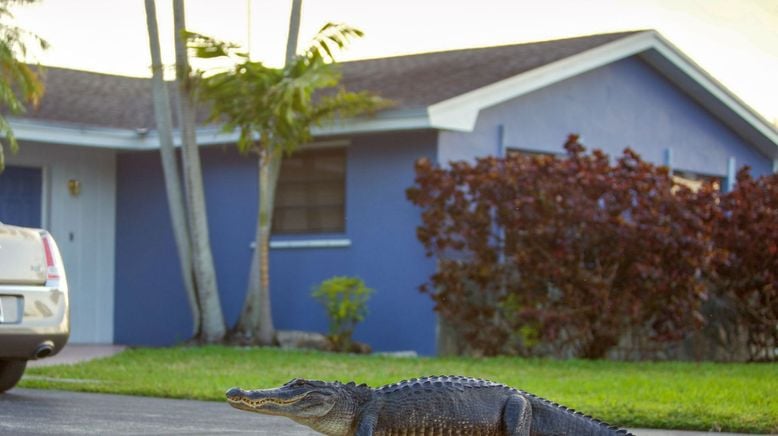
point(10, 373)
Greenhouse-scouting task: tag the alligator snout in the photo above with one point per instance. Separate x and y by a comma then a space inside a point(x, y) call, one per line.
point(234, 393)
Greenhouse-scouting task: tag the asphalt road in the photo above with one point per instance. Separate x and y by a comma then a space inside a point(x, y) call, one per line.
point(43, 412)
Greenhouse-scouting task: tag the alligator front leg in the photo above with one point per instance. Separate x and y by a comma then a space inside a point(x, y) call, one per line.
point(367, 423)
point(517, 416)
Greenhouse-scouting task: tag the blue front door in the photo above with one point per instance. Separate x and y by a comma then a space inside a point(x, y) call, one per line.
point(20, 196)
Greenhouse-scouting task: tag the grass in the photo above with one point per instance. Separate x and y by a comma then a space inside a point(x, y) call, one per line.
point(692, 396)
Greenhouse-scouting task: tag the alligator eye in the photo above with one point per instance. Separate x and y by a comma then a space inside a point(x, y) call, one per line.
point(299, 383)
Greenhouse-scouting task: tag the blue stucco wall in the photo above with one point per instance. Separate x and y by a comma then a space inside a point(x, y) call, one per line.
point(21, 189)
point(150, 305)
point(626, 103)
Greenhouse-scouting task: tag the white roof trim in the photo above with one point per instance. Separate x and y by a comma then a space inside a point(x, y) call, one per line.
point(127, 139)
point(718, 91)
point(461, 112)
point(99, 137)
point(102, 137)
point(387, 121)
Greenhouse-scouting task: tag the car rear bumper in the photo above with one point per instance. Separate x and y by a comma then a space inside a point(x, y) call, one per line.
point(34, 322)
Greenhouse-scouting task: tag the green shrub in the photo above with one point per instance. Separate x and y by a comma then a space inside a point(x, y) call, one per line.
point(345, 300)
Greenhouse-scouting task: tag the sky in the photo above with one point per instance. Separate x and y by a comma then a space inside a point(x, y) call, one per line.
point(736, 41)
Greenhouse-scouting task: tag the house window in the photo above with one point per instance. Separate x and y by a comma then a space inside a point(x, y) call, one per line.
point(694, 181)
point(520, 152)
point(311, 193)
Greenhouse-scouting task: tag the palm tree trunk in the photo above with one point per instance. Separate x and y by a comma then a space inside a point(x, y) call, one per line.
point(170, 166)
point(256, 320)
point(255, 324)
point(268, 178)
point(248, 322)
point(212, 322)
point(294, 30)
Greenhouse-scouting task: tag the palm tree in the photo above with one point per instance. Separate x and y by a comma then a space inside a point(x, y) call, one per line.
point(212, 327)
point(170, 166)
point(19, 82)
point(257, 304)
point(274, 111)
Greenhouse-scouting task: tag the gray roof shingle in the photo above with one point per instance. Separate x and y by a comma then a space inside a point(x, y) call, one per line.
point(93, 99)
point(424, 79)
point(412, 81)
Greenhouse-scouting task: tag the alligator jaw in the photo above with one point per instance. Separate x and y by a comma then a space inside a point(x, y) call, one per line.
point(268, 401)
point(299, 399)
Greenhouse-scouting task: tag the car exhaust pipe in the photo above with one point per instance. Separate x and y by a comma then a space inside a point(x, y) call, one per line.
point(44, 350)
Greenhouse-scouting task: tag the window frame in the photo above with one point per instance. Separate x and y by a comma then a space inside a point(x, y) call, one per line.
point(310, 232)
point(694, 180)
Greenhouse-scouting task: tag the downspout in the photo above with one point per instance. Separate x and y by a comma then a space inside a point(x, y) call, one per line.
point(731, 174)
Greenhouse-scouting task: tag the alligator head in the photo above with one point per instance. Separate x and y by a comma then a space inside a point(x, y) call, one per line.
point(327, 407)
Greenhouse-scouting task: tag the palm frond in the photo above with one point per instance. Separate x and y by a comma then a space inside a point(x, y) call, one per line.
point(19, 82)
point(206, 47)
point(330, 37)
point(275, 108)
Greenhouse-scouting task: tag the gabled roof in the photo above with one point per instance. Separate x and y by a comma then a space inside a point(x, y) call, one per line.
point(413, 82)
point(443, 90)
point(422, 80)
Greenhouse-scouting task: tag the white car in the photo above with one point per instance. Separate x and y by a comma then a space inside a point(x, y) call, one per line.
point(34, 311)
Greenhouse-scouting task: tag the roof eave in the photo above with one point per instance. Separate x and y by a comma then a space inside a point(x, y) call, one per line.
point(711, 94)
point(385, 121)
point(43, 131)
point(461, 112)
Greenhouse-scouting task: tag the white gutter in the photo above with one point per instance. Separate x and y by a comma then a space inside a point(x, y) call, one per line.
point(386, 121)
point(127, 139)
point(99, 137)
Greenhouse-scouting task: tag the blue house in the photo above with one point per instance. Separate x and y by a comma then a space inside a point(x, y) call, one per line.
point(89, 170)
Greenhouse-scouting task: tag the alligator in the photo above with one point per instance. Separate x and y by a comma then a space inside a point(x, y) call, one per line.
point(433, 406)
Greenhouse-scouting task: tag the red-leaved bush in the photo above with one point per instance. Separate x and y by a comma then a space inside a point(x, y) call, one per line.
point(746, 275)
point(563, 255)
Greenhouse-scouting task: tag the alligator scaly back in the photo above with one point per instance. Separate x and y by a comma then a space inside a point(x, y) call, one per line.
point(547, 417)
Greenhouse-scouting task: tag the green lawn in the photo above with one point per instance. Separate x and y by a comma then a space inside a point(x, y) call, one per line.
point(726, 397)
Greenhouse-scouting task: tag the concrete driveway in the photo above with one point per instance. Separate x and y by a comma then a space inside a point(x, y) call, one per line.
point(77, 353)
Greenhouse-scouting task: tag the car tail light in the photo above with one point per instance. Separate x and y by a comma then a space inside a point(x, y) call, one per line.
point(52, 272)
